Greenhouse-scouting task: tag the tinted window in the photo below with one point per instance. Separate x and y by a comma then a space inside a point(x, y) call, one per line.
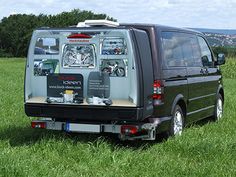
point(192, 45)
point(206, 55)
point(180, 49)
point(187, 48)
point(173, 55)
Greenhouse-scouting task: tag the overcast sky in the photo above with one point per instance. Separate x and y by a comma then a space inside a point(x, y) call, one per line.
point(180, 13)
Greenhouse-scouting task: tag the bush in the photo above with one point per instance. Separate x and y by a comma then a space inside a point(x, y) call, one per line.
point(16, 30)
point(3, 53)
point(229, 69)
point(229, 52)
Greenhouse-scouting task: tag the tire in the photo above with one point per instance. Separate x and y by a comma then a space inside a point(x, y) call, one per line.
point(106, 70)
point(177, 122)
point(120, 72)
point(219, 108)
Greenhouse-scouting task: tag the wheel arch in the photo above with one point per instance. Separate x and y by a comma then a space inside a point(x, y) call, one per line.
point(179, 100)
point(221, 92)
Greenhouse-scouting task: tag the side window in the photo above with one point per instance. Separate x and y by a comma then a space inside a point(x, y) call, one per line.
point(192, 50)
point(206, 54)
point(173, 54)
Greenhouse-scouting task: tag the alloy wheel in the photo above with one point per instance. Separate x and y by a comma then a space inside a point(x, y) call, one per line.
point(178, 123)
point(219, 109)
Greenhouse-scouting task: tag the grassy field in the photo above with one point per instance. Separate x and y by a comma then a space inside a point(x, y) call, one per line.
point(207, 149)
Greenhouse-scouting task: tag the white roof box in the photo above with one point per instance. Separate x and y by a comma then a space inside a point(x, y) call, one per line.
point(89, 23)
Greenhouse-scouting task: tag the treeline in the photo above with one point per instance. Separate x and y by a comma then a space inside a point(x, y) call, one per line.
point(230, 52)
point(16, 30)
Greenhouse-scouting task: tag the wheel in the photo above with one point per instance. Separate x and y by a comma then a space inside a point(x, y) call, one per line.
point(106, 70)
point(120, 72)
point(219, 107)
point(177, 122)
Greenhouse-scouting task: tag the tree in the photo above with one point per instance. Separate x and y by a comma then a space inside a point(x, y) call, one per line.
point(16, 30)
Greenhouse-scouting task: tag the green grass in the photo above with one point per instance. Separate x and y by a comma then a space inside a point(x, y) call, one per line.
point(203, 150)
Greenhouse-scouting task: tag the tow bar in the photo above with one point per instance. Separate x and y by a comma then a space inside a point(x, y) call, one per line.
point(145, 131)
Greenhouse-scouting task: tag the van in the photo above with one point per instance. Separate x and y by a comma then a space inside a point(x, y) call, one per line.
point(134, 80)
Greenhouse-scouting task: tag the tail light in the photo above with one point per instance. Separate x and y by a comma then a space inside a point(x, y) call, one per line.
point(38, 125)
point(158, 92)
point(129, 129)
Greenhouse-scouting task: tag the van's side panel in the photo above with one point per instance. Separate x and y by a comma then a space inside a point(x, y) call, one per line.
point(197, 87)
point(212, 76)
point(174, 80)
point(175, 84)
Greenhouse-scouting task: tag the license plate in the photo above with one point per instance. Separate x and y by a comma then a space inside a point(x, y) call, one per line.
point(72, 127)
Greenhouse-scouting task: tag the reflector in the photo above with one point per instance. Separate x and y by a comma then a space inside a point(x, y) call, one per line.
point(38, 125)
point(129, 129)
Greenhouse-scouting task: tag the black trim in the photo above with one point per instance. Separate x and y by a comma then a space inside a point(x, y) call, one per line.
point(77, 112)
point(200, 110)
point(200, 97)
point(144, 55)
point(139, 69)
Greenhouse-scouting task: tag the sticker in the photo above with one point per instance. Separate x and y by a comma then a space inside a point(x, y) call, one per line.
point(58, 84)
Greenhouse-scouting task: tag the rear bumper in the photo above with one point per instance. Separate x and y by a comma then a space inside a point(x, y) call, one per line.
point(77, 112)
point(162, 122)
point(144, 131)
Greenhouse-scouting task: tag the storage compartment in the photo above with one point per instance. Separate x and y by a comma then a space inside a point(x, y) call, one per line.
point(86, 68)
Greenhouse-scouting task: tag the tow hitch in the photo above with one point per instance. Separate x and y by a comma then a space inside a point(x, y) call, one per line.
point(145, 131)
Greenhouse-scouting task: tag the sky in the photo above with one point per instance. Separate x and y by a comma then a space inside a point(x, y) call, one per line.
point(218, 14)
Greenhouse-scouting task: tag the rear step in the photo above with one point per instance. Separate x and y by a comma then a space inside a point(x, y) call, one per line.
point(145, 131)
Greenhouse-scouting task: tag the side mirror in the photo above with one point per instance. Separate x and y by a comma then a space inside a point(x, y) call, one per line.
point(220, 59)
point(205, 60)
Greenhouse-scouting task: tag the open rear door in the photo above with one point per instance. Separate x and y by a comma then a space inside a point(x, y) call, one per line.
point(144, 59)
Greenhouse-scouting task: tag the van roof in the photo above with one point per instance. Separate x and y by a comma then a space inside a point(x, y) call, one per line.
point(127, 25)
point(160, 27)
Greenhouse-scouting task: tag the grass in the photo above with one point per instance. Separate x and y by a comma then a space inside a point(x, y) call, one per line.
point(229, 69)
point(203, 150)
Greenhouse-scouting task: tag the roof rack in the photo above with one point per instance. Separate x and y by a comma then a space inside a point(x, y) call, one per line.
point(90, 23)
